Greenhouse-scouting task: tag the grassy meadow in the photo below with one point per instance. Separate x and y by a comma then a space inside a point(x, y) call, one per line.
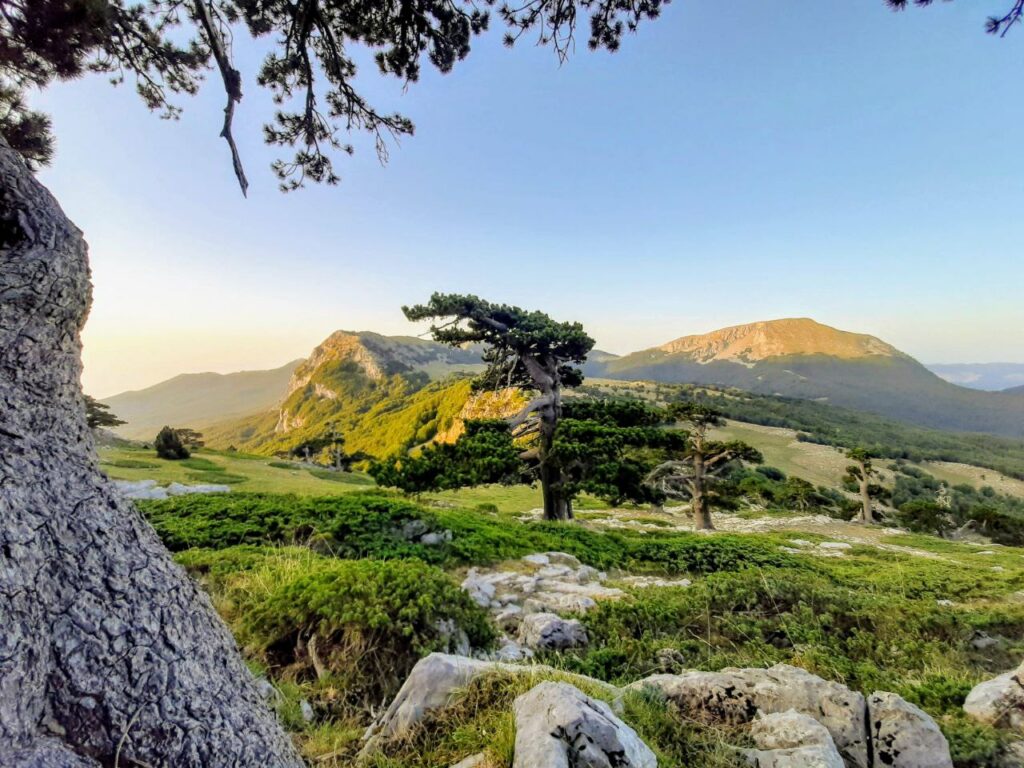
point(292, 556)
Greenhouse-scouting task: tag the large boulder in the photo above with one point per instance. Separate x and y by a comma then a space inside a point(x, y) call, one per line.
point(1000, 701)
point(549, 632)
point(430, 686)
point(792, 740)
point(712, 698)
point(903, 736)
point(734, 696)
point(782, 688)
point(558, 726)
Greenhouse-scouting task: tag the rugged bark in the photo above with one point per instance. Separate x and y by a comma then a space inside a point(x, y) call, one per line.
point(867, 515)
point(109, 654)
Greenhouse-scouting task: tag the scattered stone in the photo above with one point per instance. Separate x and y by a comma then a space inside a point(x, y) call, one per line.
point(834, 545)
point(563, 558)
point(307, 711)
point(267, 690)
point(944, 602)
point(558, 726)
point(512, 651)
point(473, 761)
point(801, 543)
point(998, 568)
point(792, 740)
point(480, 589)
point(734, 696)
point(654, 581)
point(430, 686)
point(537, 559)
point(903, 736)
point(999, 701)
point(983, 640)
point(985, 552)
point(177, 489)
point(548, 631)
point(436, 538)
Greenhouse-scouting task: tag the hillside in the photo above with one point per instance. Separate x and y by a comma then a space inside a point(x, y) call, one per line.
point(198, 399)
point(384, 394)
point(804, 359)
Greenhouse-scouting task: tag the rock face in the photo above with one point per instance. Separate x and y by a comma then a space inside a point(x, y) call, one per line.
point(1000, 701)
point(430, 686)
point(734, 696)
point(903, 736)
point(105, 639)
point(792, 740)
point(557, 726)
point(546, 631)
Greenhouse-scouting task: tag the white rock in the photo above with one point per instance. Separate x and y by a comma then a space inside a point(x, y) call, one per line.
point(655, 581)
point(558, 726)
point(834, 545)
point(537, 559)
point(563, 558)
point(792, 740)
point(548, 631)
point(430, 686)
point(140, 489)
point(555, 572)
point(177, 489)
point(999, 701)
point(903, 736)
point(944, 602)
point(307, 711)
point(479, 588)
point(473, 761)
point(734, 696)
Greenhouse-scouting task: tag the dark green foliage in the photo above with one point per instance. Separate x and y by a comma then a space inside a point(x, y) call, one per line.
point(169, 446)
point(97, 414)
point(484, 454)
point(168, 46)
point(598, 447)
point(357, 525)
point(364, 622)
point(370, 525)
point(510, 335)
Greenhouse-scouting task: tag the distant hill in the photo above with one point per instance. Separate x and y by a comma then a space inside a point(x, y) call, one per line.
point(1015, 391)
point(196, 400)
point(804, 359)
point(988, 376)
point(383, 393)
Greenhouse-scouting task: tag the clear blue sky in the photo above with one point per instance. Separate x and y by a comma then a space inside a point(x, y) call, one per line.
point(733, 162)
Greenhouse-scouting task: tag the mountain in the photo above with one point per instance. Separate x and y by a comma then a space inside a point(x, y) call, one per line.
point(988, 376)
point(382, 393)
point(196, 400)
point(1014, 391)
point(801, 358)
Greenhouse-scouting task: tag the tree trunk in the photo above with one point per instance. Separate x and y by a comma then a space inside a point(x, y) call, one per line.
point(866, 514)
point(699, 500)
point(109, 653)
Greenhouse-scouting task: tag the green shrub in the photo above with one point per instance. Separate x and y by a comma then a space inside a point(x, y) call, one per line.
point(216, 478)
point(364, 622)
point(130, 464)
point(168, 445)
point(357, 525)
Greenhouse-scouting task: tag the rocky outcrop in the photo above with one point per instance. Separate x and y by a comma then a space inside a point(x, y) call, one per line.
point(148, 489)
point(548, 632)
point(792, 740)
point(735, 696)
point(558, 726)
point(902, 736)
point(1000, 701)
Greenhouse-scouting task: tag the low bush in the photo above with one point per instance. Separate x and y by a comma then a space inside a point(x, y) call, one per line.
point(363, 623)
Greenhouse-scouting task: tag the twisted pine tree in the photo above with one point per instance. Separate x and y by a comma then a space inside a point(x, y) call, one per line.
point(522, 349)
point(693, 474)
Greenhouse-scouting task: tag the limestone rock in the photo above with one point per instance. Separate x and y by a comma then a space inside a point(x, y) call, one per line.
point(558, 726)
point(903, 736)
point(473, 761)
point(792, 740)
point(547, 631)
point(430, 686)
point(734, 696)
point(999, 701)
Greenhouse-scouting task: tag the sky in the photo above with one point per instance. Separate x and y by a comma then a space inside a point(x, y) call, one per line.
point(732, 162)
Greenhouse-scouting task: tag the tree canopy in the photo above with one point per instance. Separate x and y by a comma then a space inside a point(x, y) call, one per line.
point(168, 46)
point(98, 414)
